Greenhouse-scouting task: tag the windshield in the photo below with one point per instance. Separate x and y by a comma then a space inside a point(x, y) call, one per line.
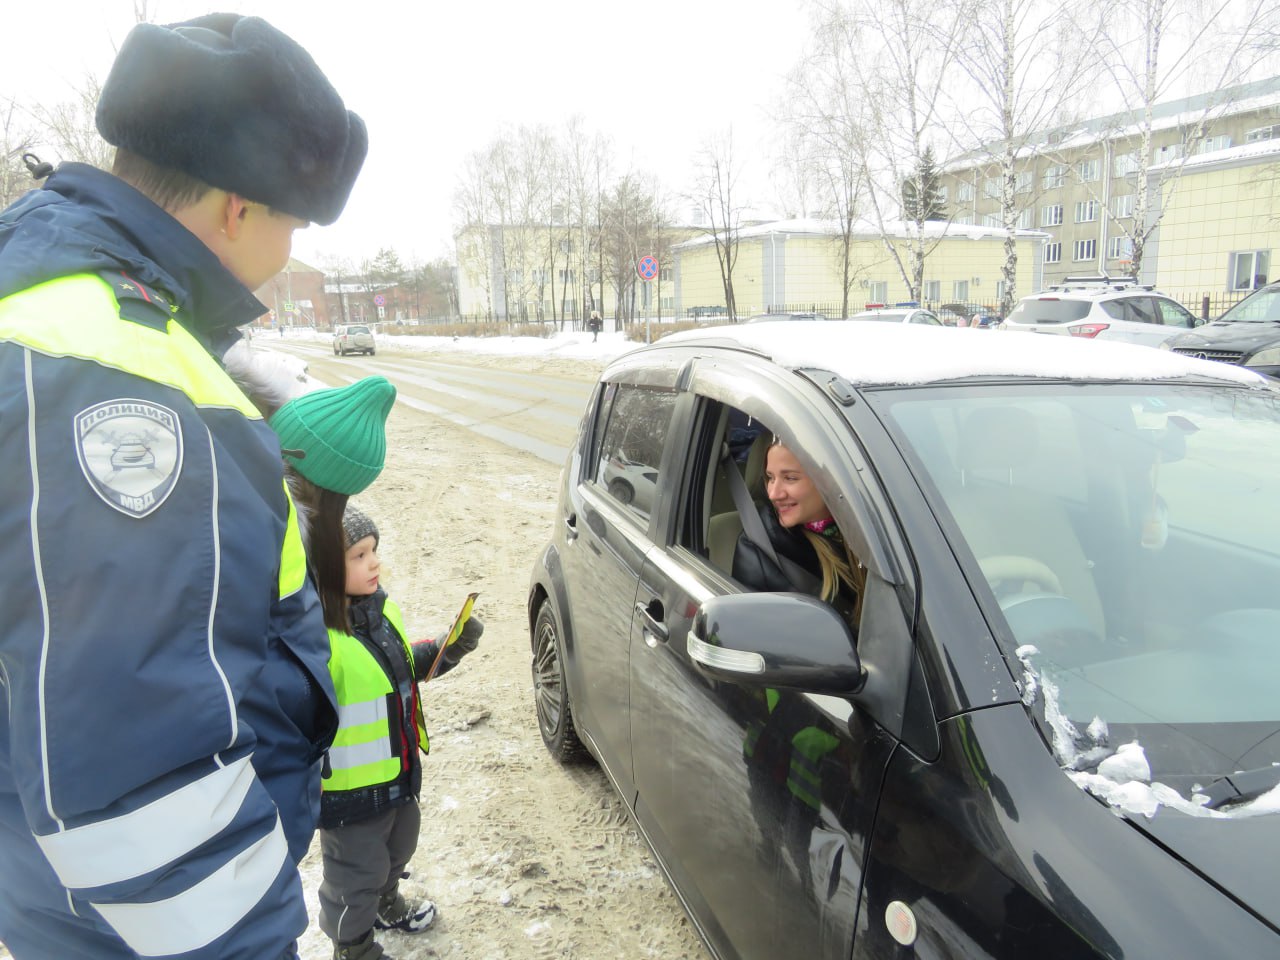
point(1049, 310)
point(1258, 307)
point(1126, 538)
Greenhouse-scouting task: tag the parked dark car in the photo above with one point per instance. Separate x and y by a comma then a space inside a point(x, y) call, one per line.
point(1248, 334)
point(1051, 732)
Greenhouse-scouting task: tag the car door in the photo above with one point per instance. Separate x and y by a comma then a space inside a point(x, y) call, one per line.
point(1142, 323)
point(605, 550)
point(1176, 318)
point(759, 802)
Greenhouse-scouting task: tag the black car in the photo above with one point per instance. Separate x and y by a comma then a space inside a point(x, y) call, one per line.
point(1248, 334)
point(1053, 730)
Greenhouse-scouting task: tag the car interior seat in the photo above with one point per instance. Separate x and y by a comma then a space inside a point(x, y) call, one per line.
point(1022, 537)
point(725, 523)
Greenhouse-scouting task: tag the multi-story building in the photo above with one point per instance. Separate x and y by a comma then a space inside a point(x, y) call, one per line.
point(1076, 182)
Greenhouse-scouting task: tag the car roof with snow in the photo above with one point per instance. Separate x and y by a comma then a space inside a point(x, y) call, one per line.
point(873, 354)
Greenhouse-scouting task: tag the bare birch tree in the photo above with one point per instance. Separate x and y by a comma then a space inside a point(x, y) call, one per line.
point(716, 196)
point(825, 114)
point(897, 57)
point(1023, 60)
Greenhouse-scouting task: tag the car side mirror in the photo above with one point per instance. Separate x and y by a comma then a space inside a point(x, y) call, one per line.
point(1199, 321)
point(788, 640)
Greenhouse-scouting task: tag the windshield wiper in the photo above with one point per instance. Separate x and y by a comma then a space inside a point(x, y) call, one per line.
point(1242, 786)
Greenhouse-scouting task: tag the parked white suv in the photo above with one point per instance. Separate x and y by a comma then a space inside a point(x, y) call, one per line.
point(1102, 308)
point(356, 338)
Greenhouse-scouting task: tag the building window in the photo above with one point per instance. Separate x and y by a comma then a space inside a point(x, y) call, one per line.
point(1210, 144)
point(1022, 182)
point(1263, 133)
point(965, 220)
point(933, 290)
point(942, 194)
point(992, 220)
point(960, 290)
point(1171, 151)
point(1026, 219)
point(1000, 288)
point(1087, 170)
point(1119, 248)
point(1124, 164)
point(1084, 250)
point(1051, 216)
point(964, 192)
point(1086, 211)
point(1055, 176)
point(1247, 270)
point(878, 291)
point(1122, 205)
point(1053, 253)
point(666, 275)
point(991, 188)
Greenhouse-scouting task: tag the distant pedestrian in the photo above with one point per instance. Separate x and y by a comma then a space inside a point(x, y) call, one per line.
point(594, 325)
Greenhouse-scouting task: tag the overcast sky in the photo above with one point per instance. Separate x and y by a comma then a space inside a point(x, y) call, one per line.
point(435, 81)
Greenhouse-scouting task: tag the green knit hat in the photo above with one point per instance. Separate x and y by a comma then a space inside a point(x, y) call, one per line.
point(336, 438)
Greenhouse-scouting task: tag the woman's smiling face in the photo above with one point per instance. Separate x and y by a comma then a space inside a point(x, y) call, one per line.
point(793, 495)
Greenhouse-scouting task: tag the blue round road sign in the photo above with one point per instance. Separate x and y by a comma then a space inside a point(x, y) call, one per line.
point(647, 267)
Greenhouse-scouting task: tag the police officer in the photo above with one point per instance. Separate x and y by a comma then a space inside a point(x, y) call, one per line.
point(165, 695)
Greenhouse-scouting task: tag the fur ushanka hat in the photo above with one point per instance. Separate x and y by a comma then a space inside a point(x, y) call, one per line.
point(235, 103)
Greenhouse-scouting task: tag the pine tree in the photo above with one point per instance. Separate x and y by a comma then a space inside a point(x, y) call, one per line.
point(923, 183)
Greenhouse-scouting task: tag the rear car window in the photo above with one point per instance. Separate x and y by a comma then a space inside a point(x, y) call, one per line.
point(1050, 310)
point(351, 330)
point(631, 446)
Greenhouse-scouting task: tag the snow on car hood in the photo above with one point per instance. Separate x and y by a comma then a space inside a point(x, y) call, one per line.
point(887, 354)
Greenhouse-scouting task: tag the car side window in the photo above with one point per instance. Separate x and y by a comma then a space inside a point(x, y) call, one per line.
point(1174, 314)
point(1141, 310)
point(1114, 308)
point(631, 444)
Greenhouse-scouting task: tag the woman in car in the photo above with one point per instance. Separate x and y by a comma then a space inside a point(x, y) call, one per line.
point(811, 552)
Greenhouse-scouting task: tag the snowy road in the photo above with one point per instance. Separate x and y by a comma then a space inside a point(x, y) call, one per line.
point(530, 411)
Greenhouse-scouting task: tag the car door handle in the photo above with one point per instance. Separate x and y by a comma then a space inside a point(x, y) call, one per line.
point(571, 527)
point(655, 631)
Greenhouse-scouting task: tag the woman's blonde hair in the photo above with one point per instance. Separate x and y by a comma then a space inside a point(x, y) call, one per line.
point(835, 560)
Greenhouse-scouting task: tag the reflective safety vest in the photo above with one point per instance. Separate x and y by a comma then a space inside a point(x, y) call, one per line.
point(363, 753)
point(808, 747)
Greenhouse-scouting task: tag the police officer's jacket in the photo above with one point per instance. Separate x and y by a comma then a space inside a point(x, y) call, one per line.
point(373, 764)
point(163, 661)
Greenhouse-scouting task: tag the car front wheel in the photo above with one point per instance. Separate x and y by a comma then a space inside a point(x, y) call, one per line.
point(551, 693)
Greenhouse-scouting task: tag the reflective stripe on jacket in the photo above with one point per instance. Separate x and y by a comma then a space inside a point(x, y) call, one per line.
point(162, 655)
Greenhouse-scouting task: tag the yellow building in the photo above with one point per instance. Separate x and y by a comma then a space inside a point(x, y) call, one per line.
point(1220, 229)
point(796, 265)
point(1077, 182)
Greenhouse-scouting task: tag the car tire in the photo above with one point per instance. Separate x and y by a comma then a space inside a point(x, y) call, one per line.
point(372, 351)
point(621, 491)
point(551, 692)
point(335, 351)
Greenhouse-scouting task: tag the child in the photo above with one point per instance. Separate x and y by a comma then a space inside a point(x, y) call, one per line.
point(369, 814)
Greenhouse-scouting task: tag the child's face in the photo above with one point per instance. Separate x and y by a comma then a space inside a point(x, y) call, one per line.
point(362, 567)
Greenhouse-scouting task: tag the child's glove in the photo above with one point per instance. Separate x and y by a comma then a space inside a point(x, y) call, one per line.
point(467, 640)
point(424, 651)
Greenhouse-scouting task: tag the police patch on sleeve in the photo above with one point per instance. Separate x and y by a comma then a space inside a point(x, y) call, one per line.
point(131, 453)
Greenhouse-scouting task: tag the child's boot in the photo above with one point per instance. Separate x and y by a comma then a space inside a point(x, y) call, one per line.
point(366, 948)
point(396, 913)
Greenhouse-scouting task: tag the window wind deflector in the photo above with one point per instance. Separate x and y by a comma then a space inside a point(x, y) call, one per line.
point(1241, 787)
